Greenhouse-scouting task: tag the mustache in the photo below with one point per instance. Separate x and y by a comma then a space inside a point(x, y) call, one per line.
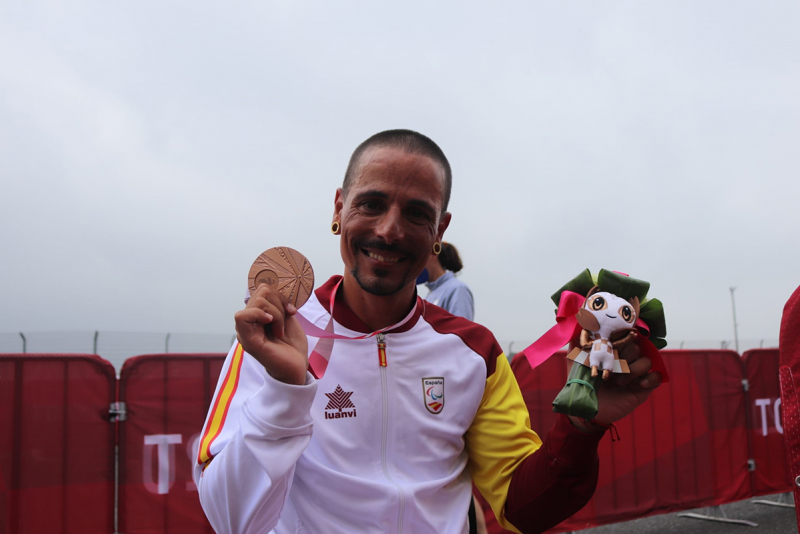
point(377, 244)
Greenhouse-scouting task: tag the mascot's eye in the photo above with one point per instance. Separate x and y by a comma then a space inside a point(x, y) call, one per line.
point(626, 313)
point(598, 303)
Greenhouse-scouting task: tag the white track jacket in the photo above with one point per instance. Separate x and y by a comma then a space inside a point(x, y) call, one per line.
point(377, 444)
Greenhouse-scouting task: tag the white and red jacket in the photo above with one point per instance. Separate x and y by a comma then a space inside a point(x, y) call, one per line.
point(386, 442)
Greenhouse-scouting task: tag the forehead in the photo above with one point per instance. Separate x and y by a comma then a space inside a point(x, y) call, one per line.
point(393, 170)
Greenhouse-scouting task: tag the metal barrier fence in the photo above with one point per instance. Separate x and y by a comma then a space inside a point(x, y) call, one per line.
point(711, 436)
point(56, 444)
point(116, 347)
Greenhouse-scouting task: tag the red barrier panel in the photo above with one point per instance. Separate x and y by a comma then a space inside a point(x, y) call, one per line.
point(768, 449)
point(689, 447)
point(789, 373)
point(166, 397)
point(685, 448)
point(56, 444)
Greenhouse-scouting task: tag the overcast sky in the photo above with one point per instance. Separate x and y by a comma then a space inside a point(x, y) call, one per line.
point(149, 151)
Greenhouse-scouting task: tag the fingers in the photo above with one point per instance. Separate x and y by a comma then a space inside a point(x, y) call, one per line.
point(651, 380)
point(630, 352)
point(640, 374)
point(253, 316)
point(637, 368)
point(268, 307)
point(640, 367)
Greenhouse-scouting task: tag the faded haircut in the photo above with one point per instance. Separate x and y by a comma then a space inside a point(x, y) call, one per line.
point(408, 141)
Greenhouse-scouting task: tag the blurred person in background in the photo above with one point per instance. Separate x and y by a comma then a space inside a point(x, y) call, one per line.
point(447, 291)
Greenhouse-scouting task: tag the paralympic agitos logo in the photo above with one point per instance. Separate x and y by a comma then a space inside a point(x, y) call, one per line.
point(433, 393)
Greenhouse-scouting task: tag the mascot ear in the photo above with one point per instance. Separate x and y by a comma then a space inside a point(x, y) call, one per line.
point(592, 291)
point(635, 303)
point(587, 320)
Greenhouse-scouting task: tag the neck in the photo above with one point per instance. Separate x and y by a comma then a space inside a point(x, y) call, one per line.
point(377, 311)
point(435, 271)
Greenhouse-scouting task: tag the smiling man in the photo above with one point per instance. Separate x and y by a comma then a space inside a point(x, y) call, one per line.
point(415, 404)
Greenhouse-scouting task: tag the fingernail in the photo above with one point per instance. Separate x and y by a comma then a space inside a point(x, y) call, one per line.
point(645, 382)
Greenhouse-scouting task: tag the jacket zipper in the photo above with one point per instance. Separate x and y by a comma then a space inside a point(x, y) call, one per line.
point(385, 428)
point(382, 350)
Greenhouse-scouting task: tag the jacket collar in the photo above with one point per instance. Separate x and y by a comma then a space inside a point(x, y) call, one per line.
point(345, 316)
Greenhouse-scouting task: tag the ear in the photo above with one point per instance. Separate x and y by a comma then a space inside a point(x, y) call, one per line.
point(587, 320)
point(444, 222)
point(635, 303)
point(592, 291)
point(338, 205)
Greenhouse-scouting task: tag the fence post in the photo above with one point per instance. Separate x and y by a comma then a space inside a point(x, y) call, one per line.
point(24, 343)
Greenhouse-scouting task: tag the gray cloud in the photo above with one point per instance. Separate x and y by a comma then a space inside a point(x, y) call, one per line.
point(149, 152)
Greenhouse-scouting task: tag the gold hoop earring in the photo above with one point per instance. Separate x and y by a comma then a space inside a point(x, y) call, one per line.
point(335, 228)
point(437, 248)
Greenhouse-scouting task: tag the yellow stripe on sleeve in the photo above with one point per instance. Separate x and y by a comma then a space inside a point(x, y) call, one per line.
point(221, 405)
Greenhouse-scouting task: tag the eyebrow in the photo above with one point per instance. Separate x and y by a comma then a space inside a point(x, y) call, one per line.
point(372, 193)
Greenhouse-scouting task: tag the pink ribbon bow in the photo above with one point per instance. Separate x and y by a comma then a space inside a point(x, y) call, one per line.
point(567, 329)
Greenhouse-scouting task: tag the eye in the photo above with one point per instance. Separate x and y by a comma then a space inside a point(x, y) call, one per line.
point(370, 205)
point(627, 313)
point(418, 214)
point(598, 303)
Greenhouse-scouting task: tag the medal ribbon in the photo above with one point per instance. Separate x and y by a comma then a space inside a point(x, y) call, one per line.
point(321, 355)
point(567, 328)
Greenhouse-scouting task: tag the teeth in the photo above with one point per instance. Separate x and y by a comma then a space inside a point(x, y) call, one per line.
point(381, 258)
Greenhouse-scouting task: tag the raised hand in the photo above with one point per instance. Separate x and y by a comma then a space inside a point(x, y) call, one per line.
point(268, 331)
point(623, 393)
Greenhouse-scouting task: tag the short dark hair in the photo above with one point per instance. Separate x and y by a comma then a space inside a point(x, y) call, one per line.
point(449, 258)
point(409, 141)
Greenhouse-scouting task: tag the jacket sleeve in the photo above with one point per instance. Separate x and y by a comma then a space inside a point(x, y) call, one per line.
point(531, 486)
point(255, 432)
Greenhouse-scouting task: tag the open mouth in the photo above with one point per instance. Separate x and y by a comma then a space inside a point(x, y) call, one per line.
point(384, 257)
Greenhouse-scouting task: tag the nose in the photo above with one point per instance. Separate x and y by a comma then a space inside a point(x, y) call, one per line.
point(390, 226)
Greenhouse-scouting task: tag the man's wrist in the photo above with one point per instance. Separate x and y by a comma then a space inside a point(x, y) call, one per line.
point(586, 426)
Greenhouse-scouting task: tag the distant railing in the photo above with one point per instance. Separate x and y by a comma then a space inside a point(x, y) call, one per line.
point(116, 347)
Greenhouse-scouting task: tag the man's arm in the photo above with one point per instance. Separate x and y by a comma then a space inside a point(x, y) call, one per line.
point(530, 486)
point(255, 431)
point(537, 490)
point(260, 422)
point(555, 482)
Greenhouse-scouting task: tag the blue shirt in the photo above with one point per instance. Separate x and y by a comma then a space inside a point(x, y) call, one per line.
point(452, 294)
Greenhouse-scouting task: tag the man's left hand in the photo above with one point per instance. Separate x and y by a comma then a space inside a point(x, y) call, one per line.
point(623, 393)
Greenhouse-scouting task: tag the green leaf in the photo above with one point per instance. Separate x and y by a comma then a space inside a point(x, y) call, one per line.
point(581, 284)
point(652, 313)
point(576, 398)
point(622, 286)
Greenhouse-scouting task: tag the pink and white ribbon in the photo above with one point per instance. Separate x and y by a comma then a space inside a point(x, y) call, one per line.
point(321, 355)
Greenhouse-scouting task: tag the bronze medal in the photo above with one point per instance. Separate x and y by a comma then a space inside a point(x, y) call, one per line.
point(286, 270)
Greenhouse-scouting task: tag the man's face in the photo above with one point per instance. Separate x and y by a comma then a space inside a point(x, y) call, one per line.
point(390, 218)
